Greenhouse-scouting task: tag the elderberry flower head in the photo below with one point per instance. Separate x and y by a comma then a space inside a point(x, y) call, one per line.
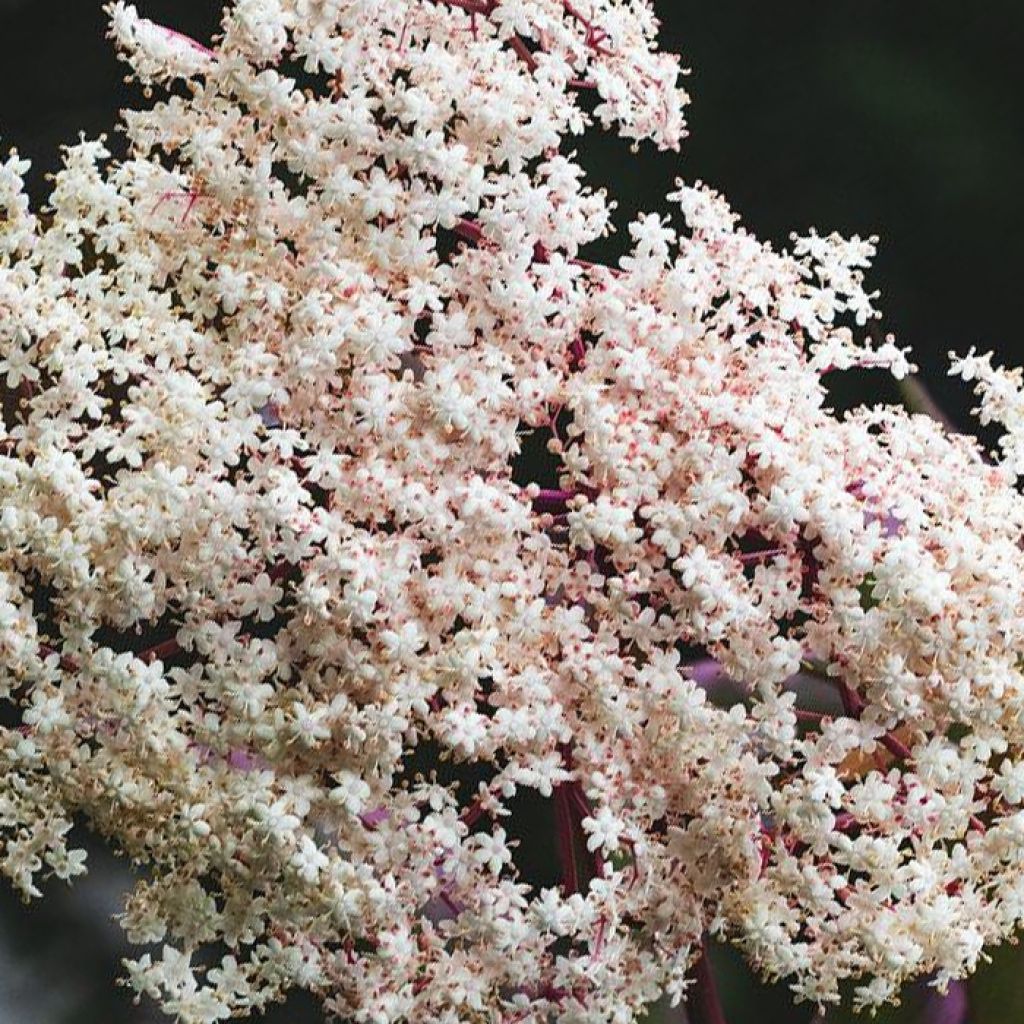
point(280, 617)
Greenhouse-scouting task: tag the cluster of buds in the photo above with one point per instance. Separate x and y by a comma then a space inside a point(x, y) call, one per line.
point(292, 612)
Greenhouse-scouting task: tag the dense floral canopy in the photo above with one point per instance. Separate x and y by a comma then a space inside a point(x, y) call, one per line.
point(282, 616)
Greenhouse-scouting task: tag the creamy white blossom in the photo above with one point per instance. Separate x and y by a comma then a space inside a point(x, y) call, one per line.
point(270, 577)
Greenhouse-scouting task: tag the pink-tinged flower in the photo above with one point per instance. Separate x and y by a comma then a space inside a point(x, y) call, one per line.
point(266, 388)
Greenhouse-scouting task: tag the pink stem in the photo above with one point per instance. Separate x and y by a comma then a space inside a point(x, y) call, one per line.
point(749, 557)
point(187, 39)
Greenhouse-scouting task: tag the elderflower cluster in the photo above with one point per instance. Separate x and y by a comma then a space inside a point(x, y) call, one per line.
point(283, 616)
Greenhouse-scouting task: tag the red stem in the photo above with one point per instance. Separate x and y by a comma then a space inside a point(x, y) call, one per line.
point(896, 747)
point(703, 1005)
point(522, 51)
point(472, 232)
point(809, 716)
point(566, 840)
point(469, 6)
point(854, 704)
point(472, 814)
point(469, 230)
point(167, 649)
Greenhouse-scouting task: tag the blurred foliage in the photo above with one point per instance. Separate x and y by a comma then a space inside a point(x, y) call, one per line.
point(997, 991)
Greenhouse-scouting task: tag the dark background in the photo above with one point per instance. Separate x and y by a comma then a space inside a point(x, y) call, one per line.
point(901, 119)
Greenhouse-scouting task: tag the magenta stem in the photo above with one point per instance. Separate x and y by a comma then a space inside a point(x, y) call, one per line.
point(549, 498)
point(371, 819)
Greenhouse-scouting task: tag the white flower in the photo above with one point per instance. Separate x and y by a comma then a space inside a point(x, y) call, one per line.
point(309, 726)
point(1010, 781)
point(259, 597)
point(491, 850)
point(308, 860)
point(603, 830)
point(194, 821)
point(351, 792)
